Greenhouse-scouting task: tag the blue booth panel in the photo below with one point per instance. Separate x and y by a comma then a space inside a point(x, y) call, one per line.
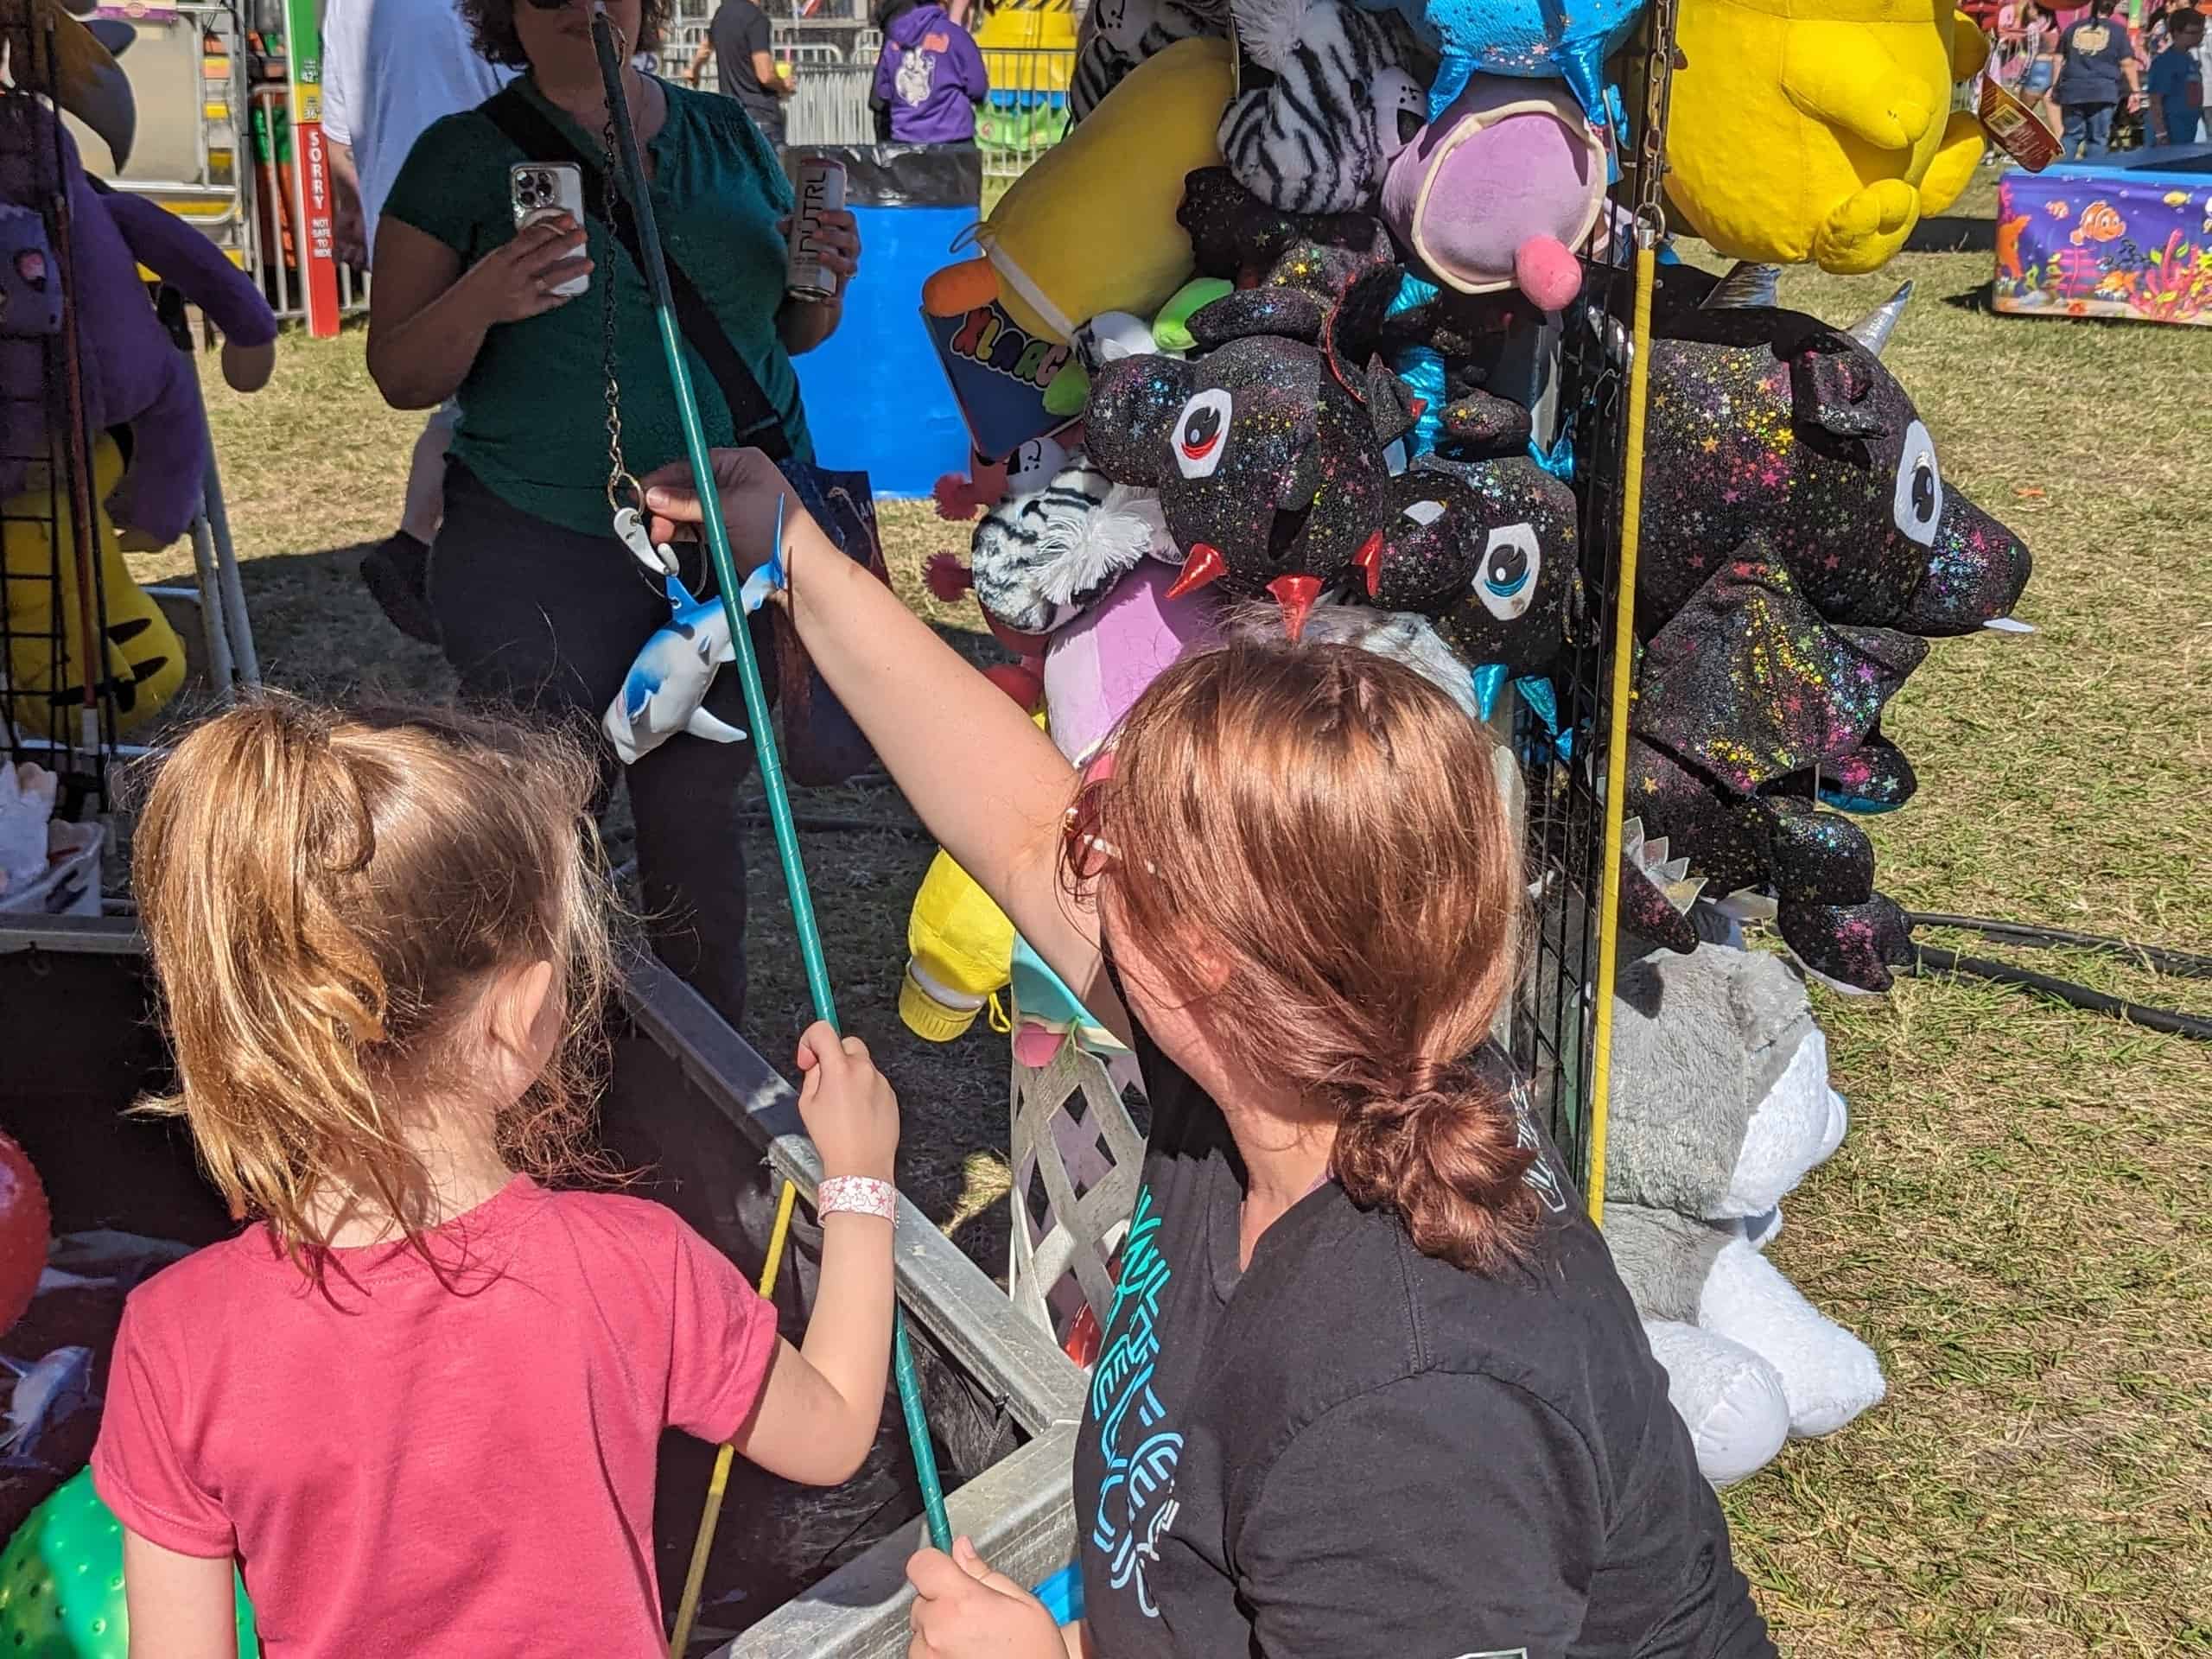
point(876, 395)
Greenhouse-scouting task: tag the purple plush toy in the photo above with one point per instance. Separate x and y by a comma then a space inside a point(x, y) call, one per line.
point(134, 375)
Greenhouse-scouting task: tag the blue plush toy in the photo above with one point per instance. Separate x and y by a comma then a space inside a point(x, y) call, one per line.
point(1540, 38)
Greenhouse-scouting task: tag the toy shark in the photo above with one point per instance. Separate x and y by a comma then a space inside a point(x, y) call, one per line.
point(665, 690)
point(45, 1393)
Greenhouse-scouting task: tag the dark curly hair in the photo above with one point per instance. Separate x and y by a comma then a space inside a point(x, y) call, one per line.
point(493, 24)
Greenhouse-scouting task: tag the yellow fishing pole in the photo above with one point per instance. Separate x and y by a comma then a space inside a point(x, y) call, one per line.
point(1649, 226)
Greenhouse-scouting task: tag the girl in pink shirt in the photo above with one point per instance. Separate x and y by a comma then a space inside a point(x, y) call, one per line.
point(418, 1401)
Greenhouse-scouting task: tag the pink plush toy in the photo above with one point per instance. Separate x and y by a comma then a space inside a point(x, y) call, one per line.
point(1499, 190)
point(1099, 665)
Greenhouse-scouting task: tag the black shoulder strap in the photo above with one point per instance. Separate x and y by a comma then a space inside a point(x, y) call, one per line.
point(757, 421)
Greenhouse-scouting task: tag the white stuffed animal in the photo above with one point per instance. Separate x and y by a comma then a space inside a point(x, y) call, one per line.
point(1720, 1105)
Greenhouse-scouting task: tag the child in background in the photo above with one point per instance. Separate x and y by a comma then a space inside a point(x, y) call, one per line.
point(928, 79)
point(2037, 60)
point(419, 1399)
point(2176, 85)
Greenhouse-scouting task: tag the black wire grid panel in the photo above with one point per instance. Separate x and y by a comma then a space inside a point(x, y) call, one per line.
point(57, 700)
point(1554, 1016)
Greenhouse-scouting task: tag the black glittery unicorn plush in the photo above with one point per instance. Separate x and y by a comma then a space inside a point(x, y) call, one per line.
point(1769, 422)
point(1747, 701)
point(1488, 548)
point(1238, 237)
point(1801, 546)
point(1271, 453)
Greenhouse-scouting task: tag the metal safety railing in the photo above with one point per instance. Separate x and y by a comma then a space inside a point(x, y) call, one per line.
point(829, 105)
point(1026, 113)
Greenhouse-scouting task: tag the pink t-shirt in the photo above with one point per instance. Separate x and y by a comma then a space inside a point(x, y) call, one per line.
point(406, 1469)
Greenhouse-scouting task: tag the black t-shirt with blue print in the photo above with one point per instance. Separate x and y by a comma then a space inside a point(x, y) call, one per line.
point(1354, 1451)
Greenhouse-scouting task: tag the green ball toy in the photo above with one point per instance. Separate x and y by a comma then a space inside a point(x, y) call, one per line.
point(62, 1583)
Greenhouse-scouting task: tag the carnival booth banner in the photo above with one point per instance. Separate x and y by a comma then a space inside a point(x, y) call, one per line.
point(2107, 242)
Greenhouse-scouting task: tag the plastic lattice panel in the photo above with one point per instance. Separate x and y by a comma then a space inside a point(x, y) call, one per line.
point(1078, 1158)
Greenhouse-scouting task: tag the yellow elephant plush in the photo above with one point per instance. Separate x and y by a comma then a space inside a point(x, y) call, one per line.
point(1820, 130)
point(144, 659)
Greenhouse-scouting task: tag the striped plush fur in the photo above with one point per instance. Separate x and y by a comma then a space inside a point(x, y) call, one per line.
point(1040, 557)
point(1339, 98)
point(1119, 35)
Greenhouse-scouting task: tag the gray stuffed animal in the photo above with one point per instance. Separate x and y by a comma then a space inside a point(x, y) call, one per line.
point(1720, 1105)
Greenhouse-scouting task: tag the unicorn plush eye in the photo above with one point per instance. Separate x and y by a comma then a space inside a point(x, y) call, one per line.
point(1201, 433)
point(1918, 504)
point(1507, 582)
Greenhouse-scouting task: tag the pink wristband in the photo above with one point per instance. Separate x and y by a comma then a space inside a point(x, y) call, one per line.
point(857, 1195)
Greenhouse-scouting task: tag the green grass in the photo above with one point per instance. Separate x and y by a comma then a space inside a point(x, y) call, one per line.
point(2016, 1221)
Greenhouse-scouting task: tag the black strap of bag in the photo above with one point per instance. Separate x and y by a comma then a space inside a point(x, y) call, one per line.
point(757, 421)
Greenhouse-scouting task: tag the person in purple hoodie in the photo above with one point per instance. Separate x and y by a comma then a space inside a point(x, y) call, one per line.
point(929, 79)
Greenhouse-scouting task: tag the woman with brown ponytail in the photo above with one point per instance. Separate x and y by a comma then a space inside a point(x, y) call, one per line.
point(1370, 1387)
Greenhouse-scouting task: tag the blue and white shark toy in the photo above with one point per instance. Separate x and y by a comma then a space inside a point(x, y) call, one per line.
point(665, 690)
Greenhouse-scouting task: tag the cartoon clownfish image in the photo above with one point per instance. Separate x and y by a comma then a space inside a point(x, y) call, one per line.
point(2099, 223)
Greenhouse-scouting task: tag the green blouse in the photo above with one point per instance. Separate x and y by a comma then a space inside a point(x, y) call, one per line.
point(534, 405)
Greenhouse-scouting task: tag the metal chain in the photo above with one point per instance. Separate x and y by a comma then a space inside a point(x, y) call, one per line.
point(618, 479)
point(1651, 162)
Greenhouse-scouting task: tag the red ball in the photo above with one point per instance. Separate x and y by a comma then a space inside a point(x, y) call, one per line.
point(24, 1220)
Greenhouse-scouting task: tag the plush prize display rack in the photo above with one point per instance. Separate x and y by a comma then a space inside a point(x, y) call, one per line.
point(58, 707)
point(1553, 1034)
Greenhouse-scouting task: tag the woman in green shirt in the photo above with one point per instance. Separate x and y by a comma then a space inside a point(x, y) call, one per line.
point(535, 600)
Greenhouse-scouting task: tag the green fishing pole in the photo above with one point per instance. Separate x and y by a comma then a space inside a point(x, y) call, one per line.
point(633, 174)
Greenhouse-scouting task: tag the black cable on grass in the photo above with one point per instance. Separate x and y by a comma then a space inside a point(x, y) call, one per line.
point(1930, 959)
point(2179, 964)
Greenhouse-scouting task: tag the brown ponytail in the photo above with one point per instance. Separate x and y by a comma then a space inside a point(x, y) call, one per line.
point(323, 893)
point(1450, 1159)
point(1327, 822)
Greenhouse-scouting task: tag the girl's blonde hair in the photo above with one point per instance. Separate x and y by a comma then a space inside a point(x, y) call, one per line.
point(1330, 823)
point(326, 894)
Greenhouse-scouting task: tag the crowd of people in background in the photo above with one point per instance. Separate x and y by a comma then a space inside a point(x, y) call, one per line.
point(2111, 74)
point(929, 77)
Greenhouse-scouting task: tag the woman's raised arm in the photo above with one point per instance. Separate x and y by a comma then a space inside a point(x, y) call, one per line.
point(987, 784)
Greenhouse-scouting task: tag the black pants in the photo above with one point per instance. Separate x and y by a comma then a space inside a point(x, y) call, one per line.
point(549, 620)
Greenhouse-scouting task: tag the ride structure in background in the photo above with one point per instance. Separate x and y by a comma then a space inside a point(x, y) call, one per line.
point(230, 139)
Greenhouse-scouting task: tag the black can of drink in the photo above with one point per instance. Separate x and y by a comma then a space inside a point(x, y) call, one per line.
point(819, 188)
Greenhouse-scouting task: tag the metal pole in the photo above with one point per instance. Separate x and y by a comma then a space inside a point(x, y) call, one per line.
point(632, 173)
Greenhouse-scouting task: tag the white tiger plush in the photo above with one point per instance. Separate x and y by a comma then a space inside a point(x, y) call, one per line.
point(1118, 34)
point(1337, 93)
point(1042, 556)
